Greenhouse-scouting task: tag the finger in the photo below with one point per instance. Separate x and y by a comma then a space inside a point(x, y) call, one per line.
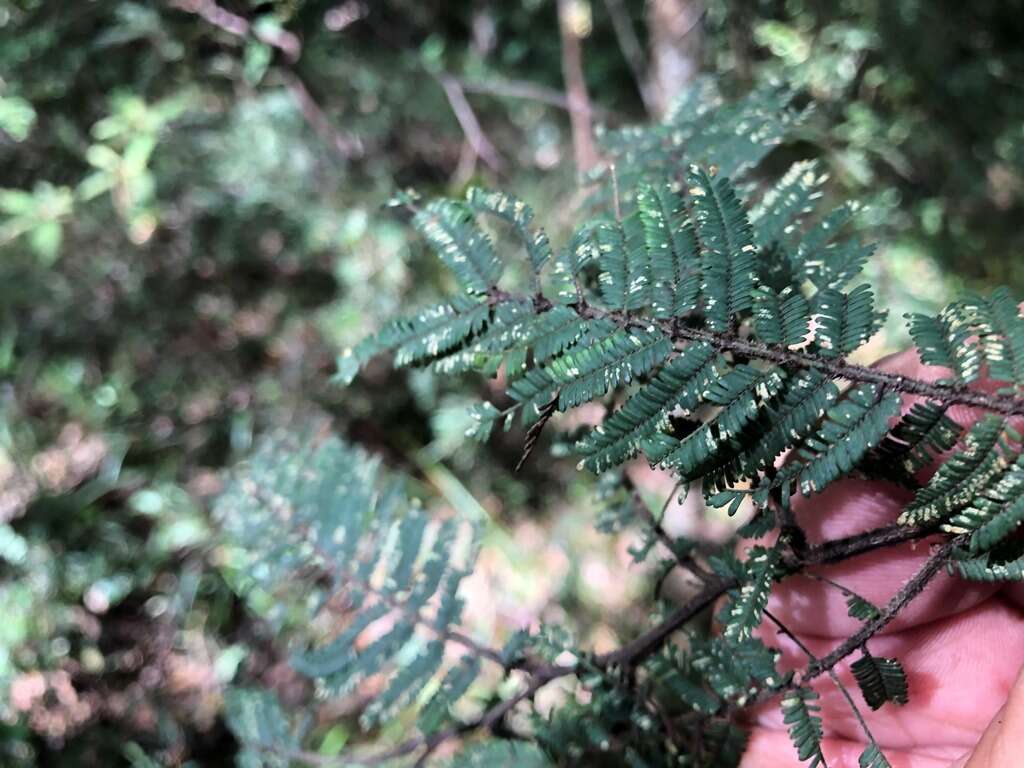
point(852, 506)
point(1001, 743)
point(773, 749)
point(955, 683)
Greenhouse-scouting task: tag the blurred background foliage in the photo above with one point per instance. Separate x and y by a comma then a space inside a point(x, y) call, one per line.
point(192, 226)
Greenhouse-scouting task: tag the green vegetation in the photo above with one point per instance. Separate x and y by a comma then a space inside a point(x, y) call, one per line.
point(231, 531)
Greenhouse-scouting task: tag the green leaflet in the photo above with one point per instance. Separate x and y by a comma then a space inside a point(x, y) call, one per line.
point(943, 341)
point(830, 263)
point(845, 320)
point(679, 383)
point(427, 334)
point(923, 432)
point(800, 714)
point(453, 687)
point(317, 516)
point(494, 753)
point(746, 609)
point(742, 392)
point(672, 249)
point(795, 195)
point(880, 680)
point(728, 250)
point(959, 479)
point(999, 327)
point(455, 237)
point(519, 215)
point(589, 372)
point(986, 568)
point(848, 431)
point(781, 318)
point(788, 420)
point(258, 721)
point(872, 757)
point(625, 277)
point(735, 670)
point(702, 128)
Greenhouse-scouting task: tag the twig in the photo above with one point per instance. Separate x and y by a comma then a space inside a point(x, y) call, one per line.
point(238, 26)
point(345, 145)
point(580, 112)
point(837, 368)
point(481, 145)
point(831, 673)
point(907, 592)
point(629, 44)
point(523, 89)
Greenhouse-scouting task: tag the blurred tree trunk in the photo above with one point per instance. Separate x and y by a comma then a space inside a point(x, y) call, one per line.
point(675, 41)
point(572, 24)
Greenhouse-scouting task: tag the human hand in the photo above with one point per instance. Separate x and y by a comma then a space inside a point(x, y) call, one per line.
point(961, 644)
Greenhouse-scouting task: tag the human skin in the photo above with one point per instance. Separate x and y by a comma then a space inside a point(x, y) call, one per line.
point(961, 644)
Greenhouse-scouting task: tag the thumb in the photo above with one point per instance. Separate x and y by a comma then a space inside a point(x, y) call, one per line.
point(1000, 744)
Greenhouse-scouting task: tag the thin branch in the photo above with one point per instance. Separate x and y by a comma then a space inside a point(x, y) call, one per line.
point(632, 52)
point(238, 26)
point(831, 673)
point(837, 368)
point(344, 144)
point(482, 146)
point(900, 600)
point(523, 89)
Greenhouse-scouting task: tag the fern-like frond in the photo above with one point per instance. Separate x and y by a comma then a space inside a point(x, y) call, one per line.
point(943, 341)
point(845, 320)
point(425, 335)
point(588, 372)
point(794, 196)
point(963, 475)
point(799, 712)
point(625, 277)
point(319, 515)
point(735, 670)
point(262, 729)
point(850, 428)
point(922, 434)
point(727, 242)
point(680, 383)
point(672, 249)
point(880, 679)
point(746, 609)
point(517, 213)
point(781, 318)
point(741, 392)
point(454, 235)
point(826, 261)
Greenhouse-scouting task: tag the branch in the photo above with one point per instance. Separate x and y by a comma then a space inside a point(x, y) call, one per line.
point(629, 44)
point(580, 111)
point(345, 145)
point(523, 89)
point(478, 141)
point(907, 592)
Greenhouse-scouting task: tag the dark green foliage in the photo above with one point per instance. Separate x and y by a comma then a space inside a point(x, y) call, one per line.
point(922, 434)
point(845, 320)
point(727, 246)
point(672, 248)
point(781, 318)
point(963, 476)
point(872, 757)
point(799, 713)
point(848, 431)
point(322, 509)
point(746, 609)
point(464, 248)
point(680, 383)
point(880, 679)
